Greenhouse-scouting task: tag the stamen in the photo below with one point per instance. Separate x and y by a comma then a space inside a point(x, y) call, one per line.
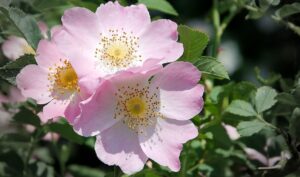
point(117, 50)
point(137, 106)
point(63, 79)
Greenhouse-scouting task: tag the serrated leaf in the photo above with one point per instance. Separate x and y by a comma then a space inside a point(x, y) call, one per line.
point(211, 67)
point(9, 71)
point(265, 98)
point(26, 116)
point(241, 108)
point(83, 171)
point(25, 24)
point(248, 128)
point(159, 5)
point(288, 9)
point(194, 42)
point(66, 131)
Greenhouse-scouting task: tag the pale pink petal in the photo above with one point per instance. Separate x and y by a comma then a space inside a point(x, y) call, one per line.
point(48, 54)
point(54, 109)
point(232, 132)
point(97, 112)
point(80, 55)
point(181, 105)
point(55, 29)
point(177, 76)
point(33, 81)
point(73, 109)
point(158, 41)
point(13, 47)
point(44, 29)
point(134, 18)
point(15, 95)
point(163, 141)
point(255, 155)
point(120, 146)
point(82, 24)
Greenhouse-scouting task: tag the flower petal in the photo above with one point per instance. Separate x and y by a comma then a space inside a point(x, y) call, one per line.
point(54, 109)
point(182, 105)
point(82, 24)
point(133, 18)
point(158, 41)
point(13, 47)
point(48, 54)
point(177, 76)
point(120, 146)
point(80, 55)
point(163, 141)
point(97, 112)
point(33, 81)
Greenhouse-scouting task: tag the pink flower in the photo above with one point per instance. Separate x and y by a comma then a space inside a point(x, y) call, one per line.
point(54, 81)
point(15, 47)
point(137, 116)
point(116, 38)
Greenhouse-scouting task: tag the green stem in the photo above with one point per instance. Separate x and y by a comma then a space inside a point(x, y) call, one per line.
point(216, 24)
point(259, 117)
point(33, 142)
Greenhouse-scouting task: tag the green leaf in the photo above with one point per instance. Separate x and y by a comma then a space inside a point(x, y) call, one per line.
point(159, 5)
point(194, 42)
point(287, 99)
point(83, 171)
point(41, 169)
point(248, 128)
point(26, 116)
point(288, 9)
point(66, 131)
point(295, 124)
point(265, 98)
point(25, 24)
point(211, 67)
point(241, 108)
point(293, 27)
point(9, 71)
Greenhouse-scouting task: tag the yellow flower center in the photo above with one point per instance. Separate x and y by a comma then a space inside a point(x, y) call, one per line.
point(27, 49)
point(117, 50)
point(63, 79)
point(136, 107)
point(66, 77)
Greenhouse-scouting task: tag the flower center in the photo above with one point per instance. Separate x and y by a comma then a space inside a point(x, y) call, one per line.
point(27, 49)
point(63, 79)
point(117, 50)
point(137, 106)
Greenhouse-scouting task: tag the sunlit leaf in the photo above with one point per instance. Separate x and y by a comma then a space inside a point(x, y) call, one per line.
point(159, 5)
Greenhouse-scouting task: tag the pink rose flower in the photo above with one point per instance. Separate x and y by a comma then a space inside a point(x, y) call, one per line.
point(116, 38)
point(141, 115)
point(54, 82)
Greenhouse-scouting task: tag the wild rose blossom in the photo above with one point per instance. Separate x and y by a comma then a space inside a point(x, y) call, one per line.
point(15, 47)
point(116, 38)
point(54, 82)
point(141, 115)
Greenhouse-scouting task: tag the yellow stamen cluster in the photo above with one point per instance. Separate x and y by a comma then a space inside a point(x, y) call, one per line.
point(137, 106)
point(117, 49)
point(27, 49)
point(63, 79)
